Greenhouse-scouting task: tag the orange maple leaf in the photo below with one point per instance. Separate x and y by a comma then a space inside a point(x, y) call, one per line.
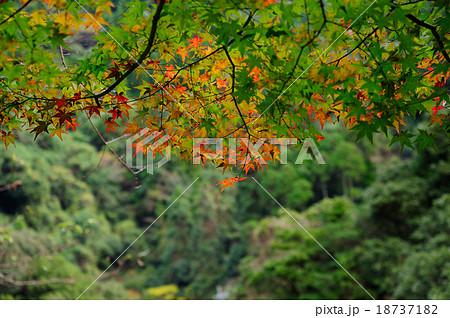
point(169, 72)
point(229, 182)
point(195, 42)
point(58, 132)
point(132, 128)
point(268, 2)
point(183, 53)
point(254, 73)
point(322, 116)
point(221, 83)
point(72, 124)
point(181, 89)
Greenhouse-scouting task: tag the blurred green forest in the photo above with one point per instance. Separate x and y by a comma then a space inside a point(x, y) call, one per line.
point(68, 210)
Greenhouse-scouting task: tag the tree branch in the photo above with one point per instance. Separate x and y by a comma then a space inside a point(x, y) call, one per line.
point(141, 58)
point(18, 10)
point(434, 31)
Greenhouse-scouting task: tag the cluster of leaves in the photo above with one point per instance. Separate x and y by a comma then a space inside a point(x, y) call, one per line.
point(253, 69)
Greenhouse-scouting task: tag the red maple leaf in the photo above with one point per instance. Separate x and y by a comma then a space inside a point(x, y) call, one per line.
point(60, 102)
point(115, 113)
point(436, 109)
point(121, 99)
point(319, 138)
point(360, 95)
point(439, 83)
point(77, 96)
point(195, 42)
point(114, 72)
point(110, 125)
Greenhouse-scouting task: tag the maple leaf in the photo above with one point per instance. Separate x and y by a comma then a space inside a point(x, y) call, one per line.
point(268, 2)
point(76, 96)
point(114, 72)
point(41, 127)
point(248, 167)
point(183, 53)
point(132, 128)
point(316, 76)
point(254, 73)
point(93, 110)
point(153, 63)
point(110, 125)
point(195, 42)
point(121, 98)
point(319, 138)
point(8, 138)
point(322, 116)
point(72, 124)
point(116, 113)
point(221, 83)
point(58, 132)
point(60, 102)
point(95, 20)
point(340, 74)
point(229, 182)
point(436, 109)
point(64, 116)
point(360, 95)
point(439, 83)
point(169, 72)
point(181, 89)
point(204, 77)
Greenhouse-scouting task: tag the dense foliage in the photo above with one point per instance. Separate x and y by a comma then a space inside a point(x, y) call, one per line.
point(254, 69)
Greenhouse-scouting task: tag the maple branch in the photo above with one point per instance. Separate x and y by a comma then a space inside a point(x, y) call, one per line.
point(233, 69)
point(18, 10)
point(249, 18)
point(141, 58)
point(87, 174)
point(311, 40)
point(118, 138)
point(354, 49)
point(62, 56)
point(434, 31)
point(324, 15)
point(14, 104)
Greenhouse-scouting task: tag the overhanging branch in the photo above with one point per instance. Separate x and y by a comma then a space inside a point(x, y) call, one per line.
point(434, 31)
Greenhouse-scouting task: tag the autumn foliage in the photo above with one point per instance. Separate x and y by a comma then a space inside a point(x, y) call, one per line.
point(252, 69)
